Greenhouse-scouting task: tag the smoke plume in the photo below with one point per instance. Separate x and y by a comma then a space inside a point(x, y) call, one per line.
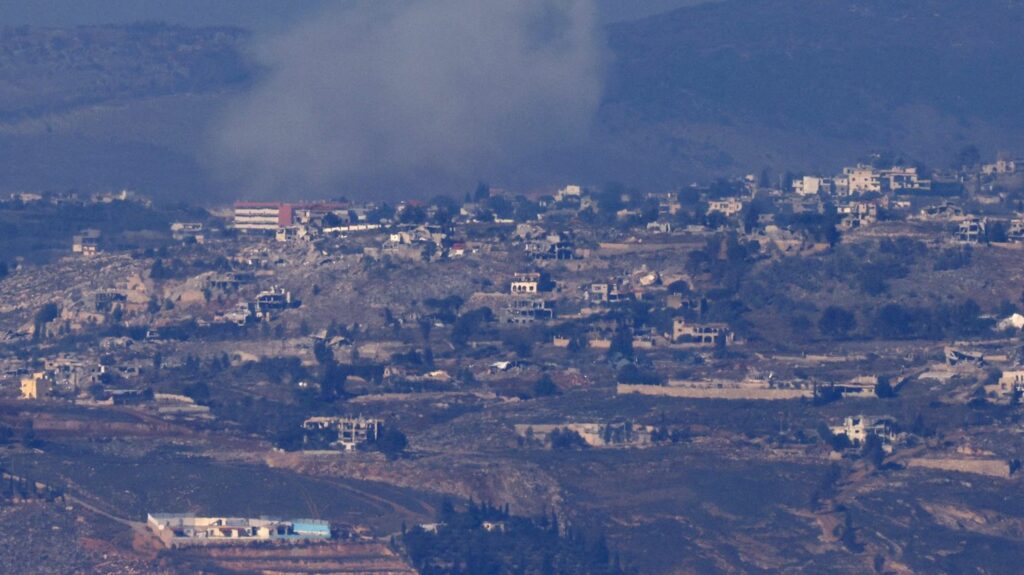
point(373, 95)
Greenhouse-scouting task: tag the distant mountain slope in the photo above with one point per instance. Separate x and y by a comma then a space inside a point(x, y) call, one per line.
point(107, 107)
point(720, 88)
point(47, 70)
point(750, 75)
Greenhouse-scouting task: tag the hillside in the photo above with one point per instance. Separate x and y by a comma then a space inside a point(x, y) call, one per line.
point(739, 84)
point(107, 107)
point(719, 88)
point(48, 70)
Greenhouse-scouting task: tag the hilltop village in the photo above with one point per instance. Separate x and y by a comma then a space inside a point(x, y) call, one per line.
point(382, 369)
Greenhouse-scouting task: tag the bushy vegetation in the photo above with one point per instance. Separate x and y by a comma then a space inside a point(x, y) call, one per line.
point(507, 545)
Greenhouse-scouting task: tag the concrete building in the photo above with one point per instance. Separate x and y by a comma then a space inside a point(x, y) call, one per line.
point(1010, 384)
point(273, 299)
point(862, 179)
point(700, 333)
point(859, 179)
point(855, 215)
point(86, 242)
point(811, 185)
point(727, 206)
point(261, 216)
point(525, 283)
point(1015, 233)
point(606, 293)
point(903, 179)
point(526, 310)
point(352, 431)
point(269, 216)
point(175, 529)
point(971, 231)
point(36, 386)
point(858, 428)
point(182, 231)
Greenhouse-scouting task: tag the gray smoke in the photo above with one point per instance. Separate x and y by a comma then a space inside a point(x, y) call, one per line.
point(370, 95)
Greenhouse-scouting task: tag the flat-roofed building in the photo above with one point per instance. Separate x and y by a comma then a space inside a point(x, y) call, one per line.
point(700, 333)
point(179, 529)
point(265, 216)
point(525, 283)
point(36, 385)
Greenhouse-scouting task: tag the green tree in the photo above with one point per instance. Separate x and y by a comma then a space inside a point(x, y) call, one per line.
point(545, 387)
point(836, 322)
point(392, 442)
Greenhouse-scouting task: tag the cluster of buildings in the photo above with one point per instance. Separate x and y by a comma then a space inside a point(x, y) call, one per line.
point(865, 179)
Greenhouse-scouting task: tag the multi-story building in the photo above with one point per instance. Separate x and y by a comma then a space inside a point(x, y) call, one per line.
point(526, 310)
point(859, 179)
point(858, 428)
point(269, 216)
point(903, 179)
point(971, 231)
point(854, 215)
point(352, 432)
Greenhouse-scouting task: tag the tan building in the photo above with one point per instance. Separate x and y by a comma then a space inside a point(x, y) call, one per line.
point(700, 333)
point(811, 185)
point(35, 386)
point(525, 283)
point(1011, 383)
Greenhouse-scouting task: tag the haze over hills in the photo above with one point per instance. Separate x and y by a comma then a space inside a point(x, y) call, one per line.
point(714, 89)
point(810, 83)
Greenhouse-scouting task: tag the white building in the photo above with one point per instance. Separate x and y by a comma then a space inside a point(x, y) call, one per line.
point(858, 428)
point(811, 185)
point(525, 283)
